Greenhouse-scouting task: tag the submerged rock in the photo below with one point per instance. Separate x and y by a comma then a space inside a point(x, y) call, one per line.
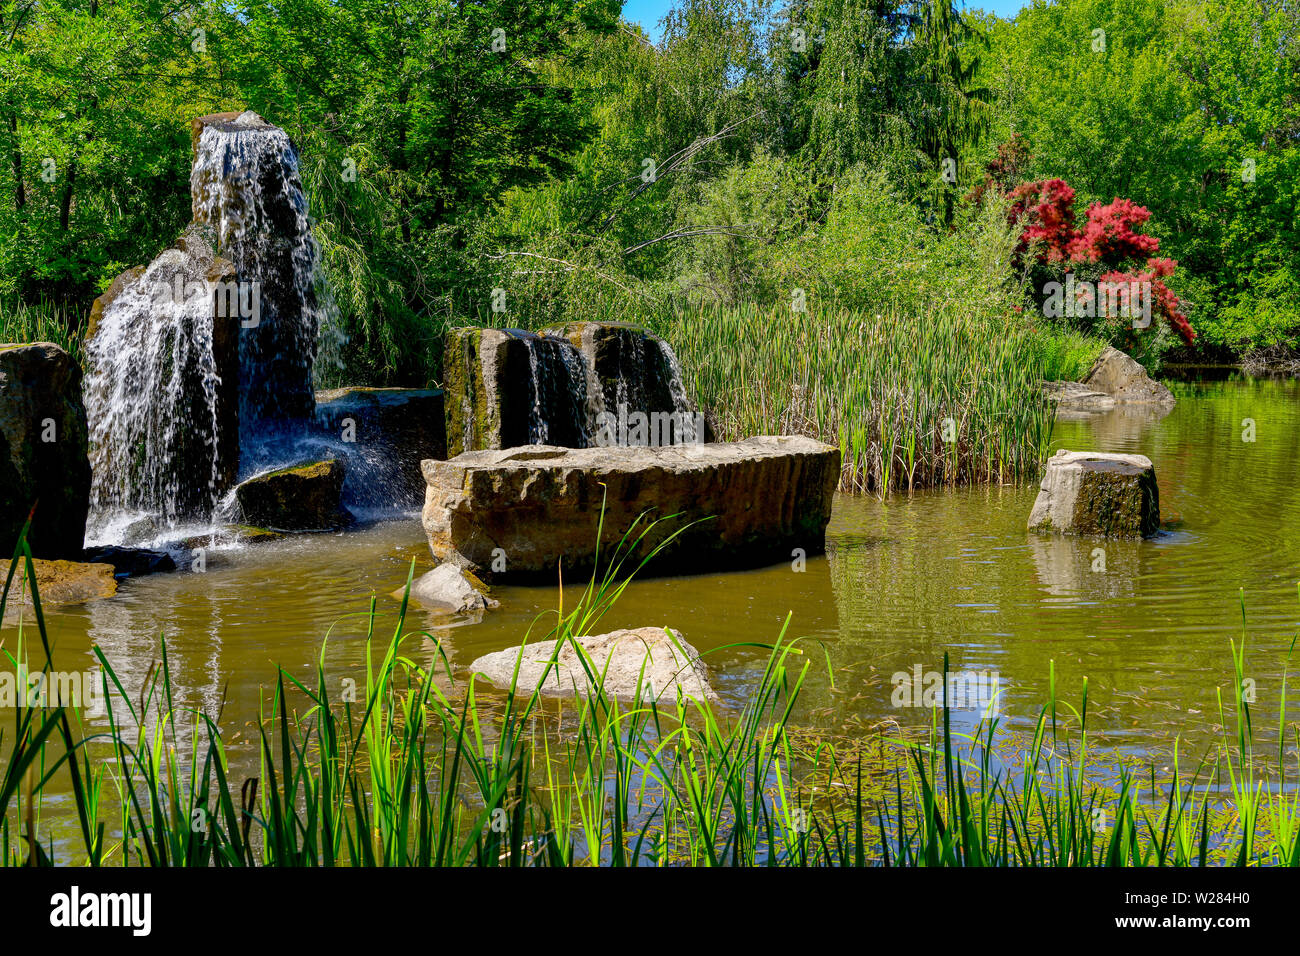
point(43, 450)
point(640, 665)
point(518, 513)
point(65, 582)
point(305, 497)
point(1104, 495)
point(450, 588)
point(392, 430)
point(131, 562)
point(1124, 380)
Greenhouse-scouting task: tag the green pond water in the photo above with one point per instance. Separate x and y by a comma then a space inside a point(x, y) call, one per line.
point(904, 581)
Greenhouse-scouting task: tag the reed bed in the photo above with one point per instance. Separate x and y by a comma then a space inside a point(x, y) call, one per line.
point(412, 775)
point(21, 322)
point(911, 402)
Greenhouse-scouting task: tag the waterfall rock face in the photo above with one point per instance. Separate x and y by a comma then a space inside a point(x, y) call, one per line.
point(246, 187)
point(42, 450)
point(507, 388)
point(387, 432)
point(517, 513)
point(627, 366)
point(162, 386)
point(1100, 495)
point(200, 363)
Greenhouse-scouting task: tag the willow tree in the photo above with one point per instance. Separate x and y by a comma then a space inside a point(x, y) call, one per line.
point(947, 111)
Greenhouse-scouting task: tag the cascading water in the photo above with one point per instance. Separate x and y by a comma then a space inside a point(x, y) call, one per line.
point(200, 365)
point(245, 184)
point(558, 387)
point(157, 359)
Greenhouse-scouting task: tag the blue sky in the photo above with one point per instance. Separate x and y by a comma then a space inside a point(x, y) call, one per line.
point(649, 12)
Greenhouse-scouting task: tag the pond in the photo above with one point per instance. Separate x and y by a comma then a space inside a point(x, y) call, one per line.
point(905, 581)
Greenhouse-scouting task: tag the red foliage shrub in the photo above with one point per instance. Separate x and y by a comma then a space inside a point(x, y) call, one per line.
point(1109, 238)
point(1047, 208)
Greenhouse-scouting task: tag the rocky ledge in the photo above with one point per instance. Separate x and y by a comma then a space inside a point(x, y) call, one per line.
point(519, 513)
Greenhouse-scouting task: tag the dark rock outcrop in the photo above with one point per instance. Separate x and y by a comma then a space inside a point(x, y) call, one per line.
point(43, 450)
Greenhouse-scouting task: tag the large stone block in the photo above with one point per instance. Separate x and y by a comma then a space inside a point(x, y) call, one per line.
point(1104, 495)
point(518, 513)
point(43, 450)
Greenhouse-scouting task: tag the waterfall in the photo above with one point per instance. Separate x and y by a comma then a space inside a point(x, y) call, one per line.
point(245, 184)
point(153, 391)
point(559, 413)
point(200, 364)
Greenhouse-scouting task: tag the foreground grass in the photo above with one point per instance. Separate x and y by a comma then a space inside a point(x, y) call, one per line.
point(419, 770)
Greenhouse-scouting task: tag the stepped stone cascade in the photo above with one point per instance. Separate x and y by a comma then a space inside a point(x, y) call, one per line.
point(245, 185)
point(43, 461)
point(627, 367)
point(508, 388)
point(200, 364)
point(1099, 495)
point(161, 390)
point(516, 514)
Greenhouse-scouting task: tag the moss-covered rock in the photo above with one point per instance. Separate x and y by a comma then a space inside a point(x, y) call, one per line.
point(1099, 495)
point(305, 497)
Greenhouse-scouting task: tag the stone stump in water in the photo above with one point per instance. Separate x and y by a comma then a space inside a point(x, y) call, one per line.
point(1102, 495)
point(43, 457)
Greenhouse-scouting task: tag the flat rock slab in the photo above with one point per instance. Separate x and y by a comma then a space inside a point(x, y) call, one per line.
point(518, 513)
point(1077, 397)
point(639, 664)
point(1096, 494)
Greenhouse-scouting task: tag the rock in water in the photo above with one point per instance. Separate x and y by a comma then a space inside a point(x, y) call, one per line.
point(304, 497)
point(1104, 495)
point(162, 388)
point(517, 513)
point(65, 582)
point(448, 587)
point(1124, 380)
point(640, 665)
point(388, 432)
point(43, 450)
